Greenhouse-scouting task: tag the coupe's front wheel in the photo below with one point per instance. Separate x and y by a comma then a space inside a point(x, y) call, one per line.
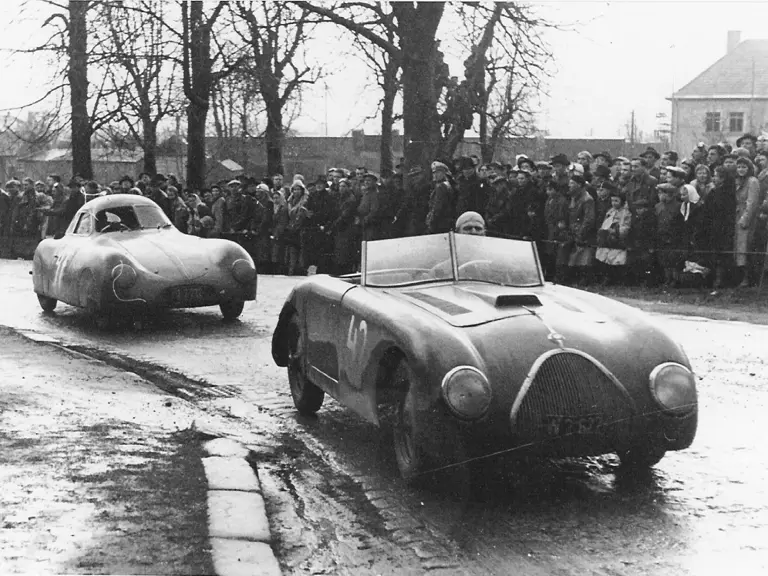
point(231, 310)
point(46, 303)
point(307, 397)
point(641, 457)
point(408, 429)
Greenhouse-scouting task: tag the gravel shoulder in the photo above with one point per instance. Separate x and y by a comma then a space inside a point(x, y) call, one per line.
point(101, 472)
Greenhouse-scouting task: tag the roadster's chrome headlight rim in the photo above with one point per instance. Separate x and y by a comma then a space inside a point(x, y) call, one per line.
point(673, 387)
point(467, 392)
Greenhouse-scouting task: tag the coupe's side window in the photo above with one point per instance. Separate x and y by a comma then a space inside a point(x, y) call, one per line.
point(84, 225)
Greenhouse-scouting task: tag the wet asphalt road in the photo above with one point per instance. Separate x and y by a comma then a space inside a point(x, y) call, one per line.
point(337, 507)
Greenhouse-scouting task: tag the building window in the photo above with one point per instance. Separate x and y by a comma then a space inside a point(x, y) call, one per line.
point(713, 122)
point(736, 122)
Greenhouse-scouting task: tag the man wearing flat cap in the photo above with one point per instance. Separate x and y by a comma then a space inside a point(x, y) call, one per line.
point(579, 252)
point(472, 193)
point(748, 141)
point(442, 201)
point(158, 195)
point(603, 159)
point(652, 157)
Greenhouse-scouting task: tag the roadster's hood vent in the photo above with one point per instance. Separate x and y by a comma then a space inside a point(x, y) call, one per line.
point(504, 300)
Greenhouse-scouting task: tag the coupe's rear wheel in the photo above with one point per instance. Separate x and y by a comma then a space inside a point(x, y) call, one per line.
point(307, 397)
point(641, 457)
point(408, 431)
point(46, 303)
point(231, 310)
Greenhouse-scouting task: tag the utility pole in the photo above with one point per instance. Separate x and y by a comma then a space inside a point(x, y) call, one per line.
point(632, 129)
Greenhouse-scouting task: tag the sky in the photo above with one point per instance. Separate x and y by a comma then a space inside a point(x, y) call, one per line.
point(613, 58)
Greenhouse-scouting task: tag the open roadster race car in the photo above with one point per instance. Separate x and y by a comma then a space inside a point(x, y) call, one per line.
point(478, 355)
point(122, 255)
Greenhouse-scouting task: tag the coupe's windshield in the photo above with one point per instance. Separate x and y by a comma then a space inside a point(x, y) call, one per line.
point(417, 259)
point(129, 217)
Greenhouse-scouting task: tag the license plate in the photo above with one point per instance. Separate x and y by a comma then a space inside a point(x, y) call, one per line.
point(188, 294)
point(570, 425)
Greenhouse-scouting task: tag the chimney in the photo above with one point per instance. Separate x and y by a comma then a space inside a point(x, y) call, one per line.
point(734, 37)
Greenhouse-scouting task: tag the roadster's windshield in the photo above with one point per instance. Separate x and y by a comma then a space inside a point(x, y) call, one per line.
point(441, 257)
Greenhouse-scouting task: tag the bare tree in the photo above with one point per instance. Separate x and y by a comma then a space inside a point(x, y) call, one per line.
point(276, 34)
point(142, 70)
point(429, 133)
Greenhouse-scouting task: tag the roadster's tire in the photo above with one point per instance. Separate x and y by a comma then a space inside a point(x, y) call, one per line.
point(231, 310)
point(408, 431)
point(307, 397)
point(46, 303)
point(641, 457)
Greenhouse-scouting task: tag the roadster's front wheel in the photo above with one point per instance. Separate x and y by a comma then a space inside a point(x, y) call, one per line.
point(641, 457)
point(46, 303)
point(408, 429)
point(231, 310)
point(307, 397)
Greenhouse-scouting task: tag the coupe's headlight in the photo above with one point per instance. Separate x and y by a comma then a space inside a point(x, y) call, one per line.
point(673, 386)
point(123, 276)
point(243, 271)
point(467, 392)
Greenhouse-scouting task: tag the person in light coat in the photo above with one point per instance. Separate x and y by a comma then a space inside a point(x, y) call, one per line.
point(747, 206)
point(611, 251)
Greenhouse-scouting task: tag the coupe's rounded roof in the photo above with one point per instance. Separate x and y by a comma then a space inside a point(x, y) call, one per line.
point(115, 200)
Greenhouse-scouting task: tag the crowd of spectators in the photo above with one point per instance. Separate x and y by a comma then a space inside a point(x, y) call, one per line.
point(652, 219)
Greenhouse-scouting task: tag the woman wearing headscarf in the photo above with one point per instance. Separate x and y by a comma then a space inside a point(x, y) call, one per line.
point(747, 206)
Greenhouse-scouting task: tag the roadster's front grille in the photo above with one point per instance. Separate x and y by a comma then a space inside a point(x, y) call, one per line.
point(573, 408)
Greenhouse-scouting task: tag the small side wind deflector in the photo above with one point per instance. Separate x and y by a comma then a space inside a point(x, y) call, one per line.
point(506, 300)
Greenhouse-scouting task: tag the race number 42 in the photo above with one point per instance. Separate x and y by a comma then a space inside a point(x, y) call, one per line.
point(356, 338)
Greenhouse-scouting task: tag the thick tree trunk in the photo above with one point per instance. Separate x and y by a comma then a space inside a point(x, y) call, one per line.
point(421, 124)
point(274, 136)
point(78, 83)
point(196, 171)
point(387, 114)
point(149, 129)
point(198, 91)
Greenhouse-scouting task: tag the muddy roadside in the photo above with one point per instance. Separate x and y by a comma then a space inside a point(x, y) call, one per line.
point(101, 471)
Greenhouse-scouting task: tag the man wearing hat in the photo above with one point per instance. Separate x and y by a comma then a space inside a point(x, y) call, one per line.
point(411, 217)
point(156, 193)
point(368, 210)
point(262, 220)
point(669, 158)
point(652, 157)
point(748, 141)
point(582, 232)
point(472, 193)
point(316, 244)
point(442, 201)
point(603, 159)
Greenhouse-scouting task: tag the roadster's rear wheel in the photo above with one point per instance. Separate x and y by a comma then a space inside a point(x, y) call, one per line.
point(46, 303)
point(641, 457)
point(408, 431)
point(231, 310)
point(307, 397)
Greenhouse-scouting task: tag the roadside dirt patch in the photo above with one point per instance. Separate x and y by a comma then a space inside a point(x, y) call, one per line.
point(85, 491)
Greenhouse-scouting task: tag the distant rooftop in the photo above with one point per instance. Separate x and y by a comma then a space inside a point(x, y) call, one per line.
point(741, 73)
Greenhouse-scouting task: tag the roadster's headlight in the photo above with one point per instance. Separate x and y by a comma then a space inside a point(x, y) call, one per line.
point(673, 386)
point(243, 271)
point(123, 276)
point(467, 392)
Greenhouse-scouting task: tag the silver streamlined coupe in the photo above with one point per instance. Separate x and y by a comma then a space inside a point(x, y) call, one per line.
point(121, 254)
point(477, 354)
